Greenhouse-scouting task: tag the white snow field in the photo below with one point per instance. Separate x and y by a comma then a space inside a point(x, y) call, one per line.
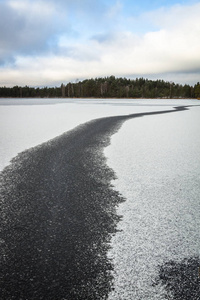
point(25, 123)
point(157, 162)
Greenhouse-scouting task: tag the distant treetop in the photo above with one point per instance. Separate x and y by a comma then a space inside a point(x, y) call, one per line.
point(107, 87)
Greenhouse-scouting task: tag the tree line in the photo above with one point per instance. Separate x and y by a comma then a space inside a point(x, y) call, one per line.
point(107, 87)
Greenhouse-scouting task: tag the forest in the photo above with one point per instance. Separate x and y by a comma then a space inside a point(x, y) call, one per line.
point(107, 87)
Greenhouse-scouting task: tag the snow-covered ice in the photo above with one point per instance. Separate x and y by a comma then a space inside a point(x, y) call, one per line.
point(25, 123)
point(157, 163)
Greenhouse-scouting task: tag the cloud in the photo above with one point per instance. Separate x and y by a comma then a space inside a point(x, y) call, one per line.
point(33, 27)
point(173, 46)
point(28, 27)
point(177, 42)
point(115, 9)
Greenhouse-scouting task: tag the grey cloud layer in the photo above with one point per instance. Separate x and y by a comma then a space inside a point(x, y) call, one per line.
point(21, 34)
point(64, 40)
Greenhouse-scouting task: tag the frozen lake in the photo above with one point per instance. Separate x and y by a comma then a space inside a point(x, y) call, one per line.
point(26, 123)
point(157, 164)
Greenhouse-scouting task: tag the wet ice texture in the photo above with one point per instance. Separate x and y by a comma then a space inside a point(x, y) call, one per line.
point(157, 162)
point(181, 280)
point(57, 217)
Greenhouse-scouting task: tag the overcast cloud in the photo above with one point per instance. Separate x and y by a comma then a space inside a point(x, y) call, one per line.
point(55, 41)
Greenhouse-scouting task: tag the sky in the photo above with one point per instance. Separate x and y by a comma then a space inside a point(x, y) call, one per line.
point(49, 42)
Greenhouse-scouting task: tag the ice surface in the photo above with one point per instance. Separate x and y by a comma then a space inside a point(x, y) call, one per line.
point(25, 123)
point(157, 162)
